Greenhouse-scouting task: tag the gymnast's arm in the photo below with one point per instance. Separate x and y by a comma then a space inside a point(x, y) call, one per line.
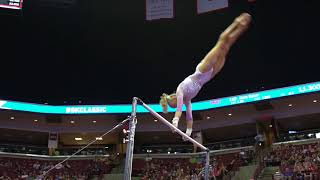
point(189, 111)
point(179, 95)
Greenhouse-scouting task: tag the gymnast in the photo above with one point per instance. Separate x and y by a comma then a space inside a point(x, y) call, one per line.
point(205, 71)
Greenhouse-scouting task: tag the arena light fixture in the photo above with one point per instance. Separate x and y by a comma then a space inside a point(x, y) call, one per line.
point(78, 139)
point(36, 120)
point(290, 105)
point(12, 118)
point(94, 122)
point(156, 120)
point(230, 114)
point(99, 138)
point(72, 122)
point(315, 101)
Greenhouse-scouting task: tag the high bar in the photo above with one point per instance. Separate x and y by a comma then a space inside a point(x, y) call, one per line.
point(158, 116)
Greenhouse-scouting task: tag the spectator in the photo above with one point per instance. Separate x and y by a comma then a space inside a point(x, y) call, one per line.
point(31, 169)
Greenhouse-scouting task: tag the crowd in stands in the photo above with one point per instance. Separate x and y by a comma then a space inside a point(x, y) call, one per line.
point(40, 150)
point(23, 149)
point(222, 167)
point(17, 168)
point(295, 161)
point(188, 148)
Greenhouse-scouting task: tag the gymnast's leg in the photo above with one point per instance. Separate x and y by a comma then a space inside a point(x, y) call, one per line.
point(216, 57)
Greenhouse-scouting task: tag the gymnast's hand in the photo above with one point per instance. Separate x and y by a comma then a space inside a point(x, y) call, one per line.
point(175, 122)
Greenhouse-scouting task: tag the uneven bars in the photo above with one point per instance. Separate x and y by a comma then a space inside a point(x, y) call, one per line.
point(173, 127)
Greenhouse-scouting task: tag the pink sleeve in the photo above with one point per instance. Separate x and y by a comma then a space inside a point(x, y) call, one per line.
point(189, 111)
point(179, 95)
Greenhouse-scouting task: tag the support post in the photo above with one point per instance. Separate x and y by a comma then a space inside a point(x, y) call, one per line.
point(130, 145)
point(207, 166)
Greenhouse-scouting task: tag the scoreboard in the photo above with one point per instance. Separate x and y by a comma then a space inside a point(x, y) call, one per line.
point(11, 4)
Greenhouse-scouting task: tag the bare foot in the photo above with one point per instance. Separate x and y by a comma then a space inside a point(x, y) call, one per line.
point(244, 19)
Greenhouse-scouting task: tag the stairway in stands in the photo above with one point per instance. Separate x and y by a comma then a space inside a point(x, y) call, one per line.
point(117, 173)
point(268, 172)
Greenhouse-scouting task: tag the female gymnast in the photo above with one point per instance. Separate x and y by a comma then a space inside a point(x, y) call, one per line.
point(205, 71)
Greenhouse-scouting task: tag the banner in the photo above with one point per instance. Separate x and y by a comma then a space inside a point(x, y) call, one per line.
point(53, 140)
point(2, 103)
point(11, 4)
point(157, 9)
point(196, 106)
point(204, 6)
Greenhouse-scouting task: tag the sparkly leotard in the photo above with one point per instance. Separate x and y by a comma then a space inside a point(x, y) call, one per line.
point(190, 87)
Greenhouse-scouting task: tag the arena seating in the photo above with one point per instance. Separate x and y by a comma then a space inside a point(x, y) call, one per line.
point(17, 168)
point(184, 168)
point(299, 161)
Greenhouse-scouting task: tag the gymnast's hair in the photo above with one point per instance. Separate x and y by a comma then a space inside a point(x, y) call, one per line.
point(164, 102)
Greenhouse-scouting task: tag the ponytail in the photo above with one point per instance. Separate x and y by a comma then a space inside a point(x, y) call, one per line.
point(164, 103)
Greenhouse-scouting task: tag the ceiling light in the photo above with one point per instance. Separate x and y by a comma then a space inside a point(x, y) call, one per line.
point(78, 139)
point(94, 121)
point(156, 120)
point(315, 101)
point(229, 114)
point(208, 117)
point(99, 138)
point(35, 120)
point(290, 105)
point(72, 122)
point(12, 118)
point(270, 125)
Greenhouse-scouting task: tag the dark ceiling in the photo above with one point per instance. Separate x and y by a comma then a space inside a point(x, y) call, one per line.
point(102, 51)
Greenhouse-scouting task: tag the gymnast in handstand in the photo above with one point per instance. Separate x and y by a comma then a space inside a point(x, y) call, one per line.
point(205, 71)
